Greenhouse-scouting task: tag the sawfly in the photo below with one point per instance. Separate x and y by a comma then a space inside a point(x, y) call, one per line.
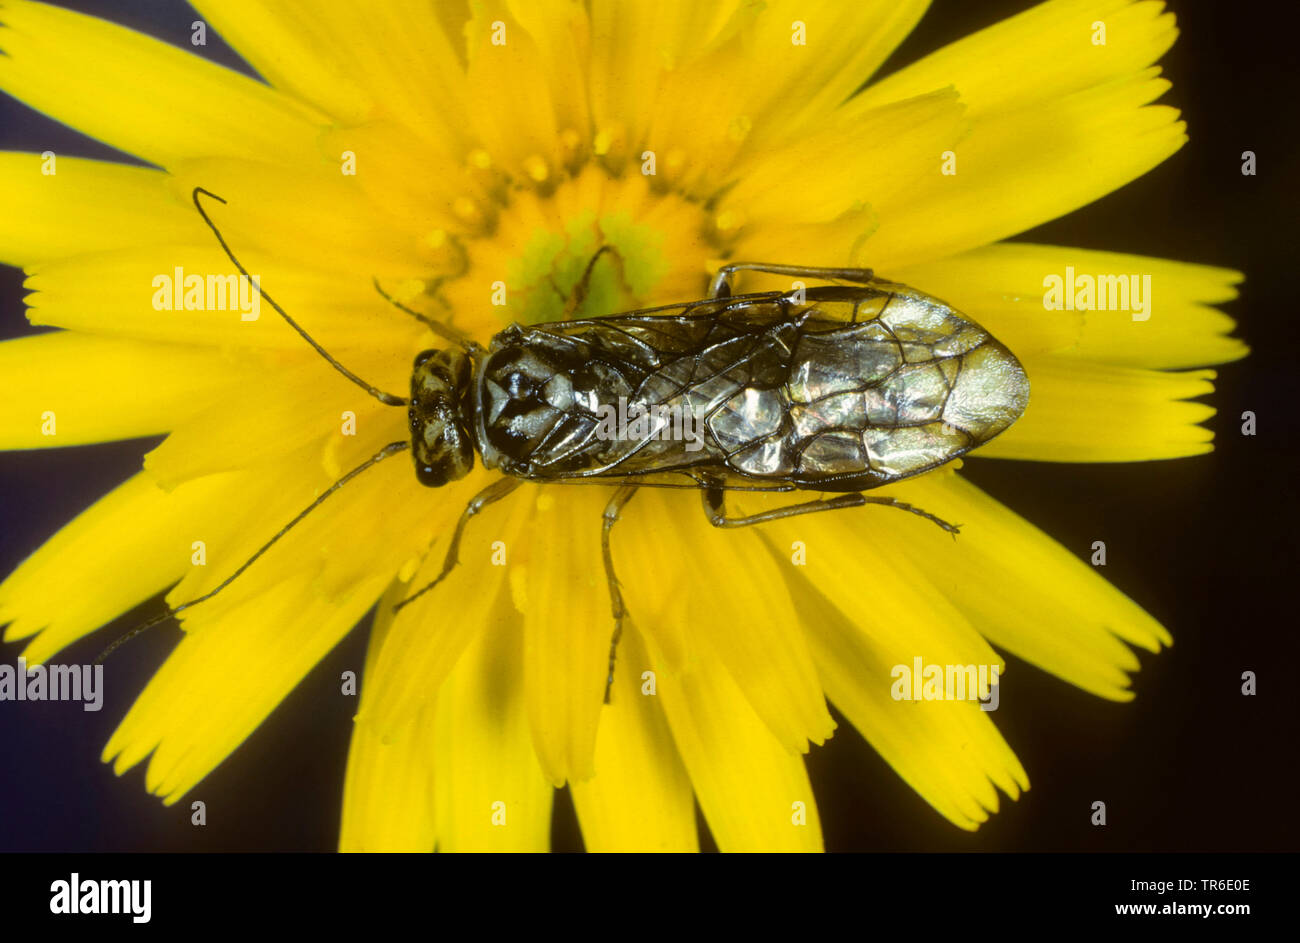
point(837, 388)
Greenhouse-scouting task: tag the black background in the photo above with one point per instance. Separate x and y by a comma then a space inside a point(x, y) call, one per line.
point(1204, 544)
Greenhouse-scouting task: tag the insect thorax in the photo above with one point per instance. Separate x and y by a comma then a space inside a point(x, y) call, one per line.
point(538, 396)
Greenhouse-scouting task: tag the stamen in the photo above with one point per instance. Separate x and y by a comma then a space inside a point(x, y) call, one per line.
point(470, 213)
point(570, 147)
point(728, 221)
point(537, 168)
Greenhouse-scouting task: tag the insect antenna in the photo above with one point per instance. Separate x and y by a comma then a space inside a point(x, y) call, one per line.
point(445, 331)
point(388, 399)
point(578, 295)
point(391, 449)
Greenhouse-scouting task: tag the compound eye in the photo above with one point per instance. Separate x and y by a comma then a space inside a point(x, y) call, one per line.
point(431, 476)
point(423, 357)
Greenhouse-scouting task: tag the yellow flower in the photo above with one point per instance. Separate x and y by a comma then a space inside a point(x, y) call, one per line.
point(457, 151)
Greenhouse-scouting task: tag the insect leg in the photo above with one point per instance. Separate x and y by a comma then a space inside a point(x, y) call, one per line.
point(489, 495)
point(723, 281)
point(616, 504)
point(715, 509)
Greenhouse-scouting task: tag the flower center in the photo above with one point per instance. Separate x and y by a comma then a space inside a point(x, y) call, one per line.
point(596, 265)
point(592, 246)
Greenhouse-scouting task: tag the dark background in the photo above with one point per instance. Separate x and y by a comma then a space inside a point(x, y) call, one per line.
point(1204, 544)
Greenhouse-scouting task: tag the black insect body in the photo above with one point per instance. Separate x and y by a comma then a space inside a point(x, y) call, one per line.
point(837, 388)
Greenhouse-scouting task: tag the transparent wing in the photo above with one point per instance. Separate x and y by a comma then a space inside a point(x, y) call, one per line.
point(883, 384)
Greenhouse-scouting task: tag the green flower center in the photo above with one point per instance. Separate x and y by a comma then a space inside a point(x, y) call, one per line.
point(555, 278)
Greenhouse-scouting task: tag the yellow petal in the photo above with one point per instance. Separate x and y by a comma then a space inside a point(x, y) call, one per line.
point(634, 46)
point(310, 215)
point(948, 751)
point(69, 388)
point(491, 794)
point(429, 637)
point(772, 73)
point(388, 792)
point(1050, 50)
point(852, 157)
point(561, 34)
point(421, 187)
point(513, 107)
point(560, 590)
point(84, 206)
point(142, 95)
point(225, 677)
point(346, 532)
point(889, 598)
point(776, 77)
point(1019, 169)
point(246, 648)
point(755, 793)
point(1022, 590)
point(1002, 287)
point(1087, 412)
point(403, 58)
point(200, 532)
point(254, 426)
point(835, 242)
point(802, 59)
point(887, 612)
point(134, 293)
point(739, 615)
point(278, 41)
point(139, 522)
point(640, 798)
point(1069, 130)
